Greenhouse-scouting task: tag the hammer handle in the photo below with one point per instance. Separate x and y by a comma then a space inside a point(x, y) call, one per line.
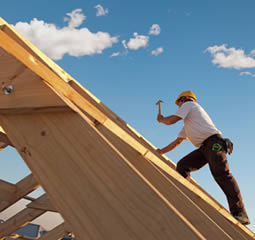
point(159, 109)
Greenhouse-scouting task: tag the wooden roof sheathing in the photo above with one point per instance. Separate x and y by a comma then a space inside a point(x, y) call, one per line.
point(103, 177)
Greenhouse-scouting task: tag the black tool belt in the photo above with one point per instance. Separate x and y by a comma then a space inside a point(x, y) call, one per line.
point(219, 144)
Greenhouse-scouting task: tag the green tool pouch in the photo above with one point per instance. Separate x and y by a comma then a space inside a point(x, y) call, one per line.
point(227, 147)
point(216, 147)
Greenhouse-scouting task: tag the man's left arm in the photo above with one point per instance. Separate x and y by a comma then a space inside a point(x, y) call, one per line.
point(171, 146)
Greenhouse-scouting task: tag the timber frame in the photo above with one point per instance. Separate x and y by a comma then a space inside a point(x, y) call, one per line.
point(118, 186)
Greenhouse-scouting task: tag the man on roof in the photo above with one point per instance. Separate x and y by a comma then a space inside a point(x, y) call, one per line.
point(212, 148)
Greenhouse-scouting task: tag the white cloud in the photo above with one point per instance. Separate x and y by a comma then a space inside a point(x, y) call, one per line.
point(137, 42)
point(157, 51)
point(252, 53)
point(56, 42)
point(231, 58)
point(155, 29)
point(101, 11)
point(247, 73)
point(75, 19)
point(115, 54)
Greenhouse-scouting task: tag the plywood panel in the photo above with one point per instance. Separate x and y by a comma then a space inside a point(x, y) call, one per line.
point(97, 191)
point(201, 221)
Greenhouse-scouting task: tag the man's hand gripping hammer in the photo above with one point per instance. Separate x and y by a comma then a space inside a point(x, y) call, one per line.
point(159, 106)
point(160, 116)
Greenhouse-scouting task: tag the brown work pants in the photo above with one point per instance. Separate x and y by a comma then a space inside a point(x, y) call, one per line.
point(219, 168)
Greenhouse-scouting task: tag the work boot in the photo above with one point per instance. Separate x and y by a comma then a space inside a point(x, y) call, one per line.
point(241, 217)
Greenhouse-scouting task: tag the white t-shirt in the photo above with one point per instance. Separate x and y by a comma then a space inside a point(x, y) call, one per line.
point(198, 126)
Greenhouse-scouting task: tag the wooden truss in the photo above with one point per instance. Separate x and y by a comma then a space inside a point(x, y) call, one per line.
point(104, 178)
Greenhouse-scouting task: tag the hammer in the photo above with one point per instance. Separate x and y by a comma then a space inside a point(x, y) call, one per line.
point(159, 106)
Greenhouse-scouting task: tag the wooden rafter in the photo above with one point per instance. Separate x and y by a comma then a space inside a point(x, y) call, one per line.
point(20, 219)
point(43, 204)
point(17, 191)
point(57, 233)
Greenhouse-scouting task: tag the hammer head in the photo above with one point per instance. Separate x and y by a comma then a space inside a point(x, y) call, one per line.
point(159, 102)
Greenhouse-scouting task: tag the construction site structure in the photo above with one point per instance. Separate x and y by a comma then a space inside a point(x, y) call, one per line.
point(104, 178)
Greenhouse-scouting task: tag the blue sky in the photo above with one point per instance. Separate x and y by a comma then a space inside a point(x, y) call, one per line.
point(132, 53)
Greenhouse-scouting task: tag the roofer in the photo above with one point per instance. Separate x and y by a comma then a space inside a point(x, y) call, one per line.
point(212, 148)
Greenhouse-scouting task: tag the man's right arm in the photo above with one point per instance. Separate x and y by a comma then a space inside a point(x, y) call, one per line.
point(171, 146)
point(168, 120)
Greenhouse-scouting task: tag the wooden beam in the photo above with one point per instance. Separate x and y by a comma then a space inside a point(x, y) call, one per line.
point(24, 238)
point(27, 185)
point(96, 190)
point(34, 51)
point(19, 237)
point(19, 190)
point(6, 189)
point(43, 204)
point(34, 110)
point(31, 199)
point(43, 72)
point(19, 220)
point(28, 89)
point(57, 233)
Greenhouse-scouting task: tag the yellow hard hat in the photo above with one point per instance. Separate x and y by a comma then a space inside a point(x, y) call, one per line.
point(186, 94)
